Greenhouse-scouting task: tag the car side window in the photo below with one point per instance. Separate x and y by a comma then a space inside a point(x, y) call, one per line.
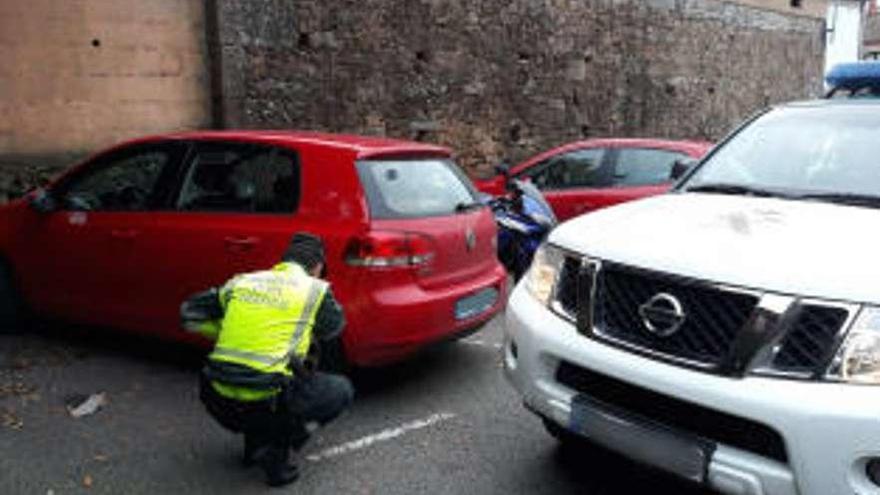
point(240, 178)
point(581, 168)
point(122, 181)
point(644, 166)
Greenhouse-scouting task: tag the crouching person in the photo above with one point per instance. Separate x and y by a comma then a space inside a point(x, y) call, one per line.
point(255, 381)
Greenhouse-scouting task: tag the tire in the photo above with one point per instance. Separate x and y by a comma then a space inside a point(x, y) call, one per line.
point(11, 310)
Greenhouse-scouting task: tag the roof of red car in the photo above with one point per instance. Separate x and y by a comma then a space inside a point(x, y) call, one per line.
point(362, 146)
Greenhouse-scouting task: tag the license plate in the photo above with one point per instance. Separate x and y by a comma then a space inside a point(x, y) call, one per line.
point(475, 304)
point(640, 439)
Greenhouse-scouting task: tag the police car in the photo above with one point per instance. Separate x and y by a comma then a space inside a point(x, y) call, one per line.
point(729, 331)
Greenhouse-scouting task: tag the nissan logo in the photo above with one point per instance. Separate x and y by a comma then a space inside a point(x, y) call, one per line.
point(662, 315)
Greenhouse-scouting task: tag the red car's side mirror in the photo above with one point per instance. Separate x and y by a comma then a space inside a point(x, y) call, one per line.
point(681, 167)
point(41, 201)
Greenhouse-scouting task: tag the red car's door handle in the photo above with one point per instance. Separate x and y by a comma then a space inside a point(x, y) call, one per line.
point(124, 234)
point(240, 244)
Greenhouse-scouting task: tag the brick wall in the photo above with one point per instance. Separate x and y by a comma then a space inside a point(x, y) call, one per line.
point(510, 78)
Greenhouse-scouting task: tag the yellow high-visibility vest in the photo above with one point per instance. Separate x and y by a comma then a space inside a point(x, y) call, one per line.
point(268, 317)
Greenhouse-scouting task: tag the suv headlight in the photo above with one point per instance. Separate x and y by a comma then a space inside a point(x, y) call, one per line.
point(542, 275)
point(858, 359)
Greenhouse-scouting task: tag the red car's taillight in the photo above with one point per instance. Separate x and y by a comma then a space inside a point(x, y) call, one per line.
point(385, 249)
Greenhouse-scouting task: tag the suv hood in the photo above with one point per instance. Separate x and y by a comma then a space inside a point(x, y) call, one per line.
point(802, 248)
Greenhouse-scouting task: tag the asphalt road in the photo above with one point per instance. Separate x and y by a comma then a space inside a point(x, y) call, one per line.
point(446, 422)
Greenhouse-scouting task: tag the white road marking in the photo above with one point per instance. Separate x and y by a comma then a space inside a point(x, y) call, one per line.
point(382, 436)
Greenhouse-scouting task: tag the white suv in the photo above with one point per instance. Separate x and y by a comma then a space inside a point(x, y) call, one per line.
point(727, 332)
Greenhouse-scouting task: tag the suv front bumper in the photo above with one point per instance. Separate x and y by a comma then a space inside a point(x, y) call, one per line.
point(829, 430)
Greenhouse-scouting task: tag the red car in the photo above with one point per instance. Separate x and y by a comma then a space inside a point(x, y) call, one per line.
point(122, 239)
point(587, 175)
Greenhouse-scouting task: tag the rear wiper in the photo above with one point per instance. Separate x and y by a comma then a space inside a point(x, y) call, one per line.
point(463, 207)
point(845, 198)
point(740, 189)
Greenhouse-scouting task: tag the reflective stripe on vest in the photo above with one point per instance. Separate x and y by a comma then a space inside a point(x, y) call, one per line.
point(250, 356)
point(315, 294)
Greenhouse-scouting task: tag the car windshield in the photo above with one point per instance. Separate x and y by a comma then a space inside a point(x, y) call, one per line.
point(817, 151)
point(415, 188)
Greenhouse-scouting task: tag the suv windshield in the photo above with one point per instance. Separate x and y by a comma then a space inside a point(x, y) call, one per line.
point(415, 188)
point(822, 152)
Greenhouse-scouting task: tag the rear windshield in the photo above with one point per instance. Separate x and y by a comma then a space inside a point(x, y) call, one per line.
point(414, 188)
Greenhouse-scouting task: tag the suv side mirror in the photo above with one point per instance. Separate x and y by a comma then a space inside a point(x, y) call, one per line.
point(681, 167)
point(41, 201)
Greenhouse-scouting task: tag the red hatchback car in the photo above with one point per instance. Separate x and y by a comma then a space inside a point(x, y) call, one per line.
point(122, 239)
point(587, 175)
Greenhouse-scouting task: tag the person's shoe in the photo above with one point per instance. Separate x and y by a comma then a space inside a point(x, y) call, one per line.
point(279, 470)
point(282, 475)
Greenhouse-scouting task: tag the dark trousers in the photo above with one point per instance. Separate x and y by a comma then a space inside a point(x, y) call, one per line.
point(280, 423)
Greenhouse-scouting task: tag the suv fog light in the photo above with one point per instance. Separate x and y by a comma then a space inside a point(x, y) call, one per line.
point(872, 469)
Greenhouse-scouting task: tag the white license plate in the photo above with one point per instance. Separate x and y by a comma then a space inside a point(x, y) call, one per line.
point(640, 439)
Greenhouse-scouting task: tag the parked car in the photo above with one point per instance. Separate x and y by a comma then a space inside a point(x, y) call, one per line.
point(727, 332)
point(122, 239)
point(588, 175)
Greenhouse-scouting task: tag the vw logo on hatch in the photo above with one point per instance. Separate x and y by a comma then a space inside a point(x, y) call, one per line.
point(663, 315)
point(470, 239)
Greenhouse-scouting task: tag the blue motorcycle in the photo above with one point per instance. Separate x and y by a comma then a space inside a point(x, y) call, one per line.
point(524, 219)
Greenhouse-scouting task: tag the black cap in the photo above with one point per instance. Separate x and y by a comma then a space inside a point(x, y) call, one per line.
point(305, 249)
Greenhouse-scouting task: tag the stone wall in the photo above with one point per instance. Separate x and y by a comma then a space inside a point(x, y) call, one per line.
point(495, 78)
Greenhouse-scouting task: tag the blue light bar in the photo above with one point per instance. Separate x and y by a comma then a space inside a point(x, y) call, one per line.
point(854, 75)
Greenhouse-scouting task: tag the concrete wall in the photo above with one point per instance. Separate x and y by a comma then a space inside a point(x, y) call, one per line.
point(81, 74)
point(500, 77)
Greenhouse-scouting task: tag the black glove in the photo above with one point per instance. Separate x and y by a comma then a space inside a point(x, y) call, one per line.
point(201, 307)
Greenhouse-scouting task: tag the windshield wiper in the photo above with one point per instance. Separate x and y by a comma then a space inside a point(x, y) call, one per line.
point(463, 207)
point(845, 198)
point(737, 189)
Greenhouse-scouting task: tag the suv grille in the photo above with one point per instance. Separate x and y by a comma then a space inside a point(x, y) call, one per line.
point(810, 341)
point(714, 334)
point(714, 315)
point(684, 416)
